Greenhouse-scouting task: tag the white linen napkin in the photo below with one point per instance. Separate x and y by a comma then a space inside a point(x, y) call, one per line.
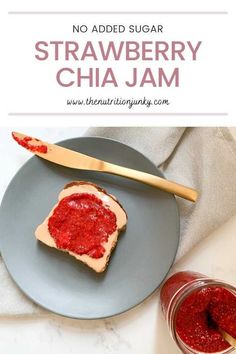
point(202, 158)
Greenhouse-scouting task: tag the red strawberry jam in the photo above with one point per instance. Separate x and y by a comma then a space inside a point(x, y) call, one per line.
point(81, 223)
point(199, 315)
point(30, 144)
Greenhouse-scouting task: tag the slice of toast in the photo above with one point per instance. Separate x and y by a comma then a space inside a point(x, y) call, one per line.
point(108, 204)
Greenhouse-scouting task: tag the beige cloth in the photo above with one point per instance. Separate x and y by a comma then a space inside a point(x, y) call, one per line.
point(203, 158)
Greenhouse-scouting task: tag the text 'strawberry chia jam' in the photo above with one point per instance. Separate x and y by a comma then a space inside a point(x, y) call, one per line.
point(31, 144)
point(196, 308)
point(81, 223)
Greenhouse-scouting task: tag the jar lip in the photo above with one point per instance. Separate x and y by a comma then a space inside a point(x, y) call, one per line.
point(182, 293)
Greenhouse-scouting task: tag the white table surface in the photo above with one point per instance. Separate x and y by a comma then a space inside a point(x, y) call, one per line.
point(138, 331)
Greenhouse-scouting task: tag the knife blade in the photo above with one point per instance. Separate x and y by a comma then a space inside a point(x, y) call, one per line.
point(76, 160)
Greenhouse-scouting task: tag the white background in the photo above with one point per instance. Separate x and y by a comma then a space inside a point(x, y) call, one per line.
point(207, 85)
point(36, 80)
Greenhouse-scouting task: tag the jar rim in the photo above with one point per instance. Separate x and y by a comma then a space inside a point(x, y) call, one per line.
point(182, 293)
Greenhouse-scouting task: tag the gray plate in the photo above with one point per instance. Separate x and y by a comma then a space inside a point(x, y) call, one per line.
point(55, 280)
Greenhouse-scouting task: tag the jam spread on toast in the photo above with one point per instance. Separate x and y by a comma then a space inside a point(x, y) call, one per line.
point(80, 223)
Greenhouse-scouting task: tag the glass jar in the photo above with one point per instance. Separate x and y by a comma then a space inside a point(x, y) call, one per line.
point(175, 290)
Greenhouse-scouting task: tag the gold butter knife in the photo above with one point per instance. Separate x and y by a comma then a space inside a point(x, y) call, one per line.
point(228, 338)
point(73, 159)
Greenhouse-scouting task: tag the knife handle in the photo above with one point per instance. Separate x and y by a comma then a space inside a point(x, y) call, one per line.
point(154, 181)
